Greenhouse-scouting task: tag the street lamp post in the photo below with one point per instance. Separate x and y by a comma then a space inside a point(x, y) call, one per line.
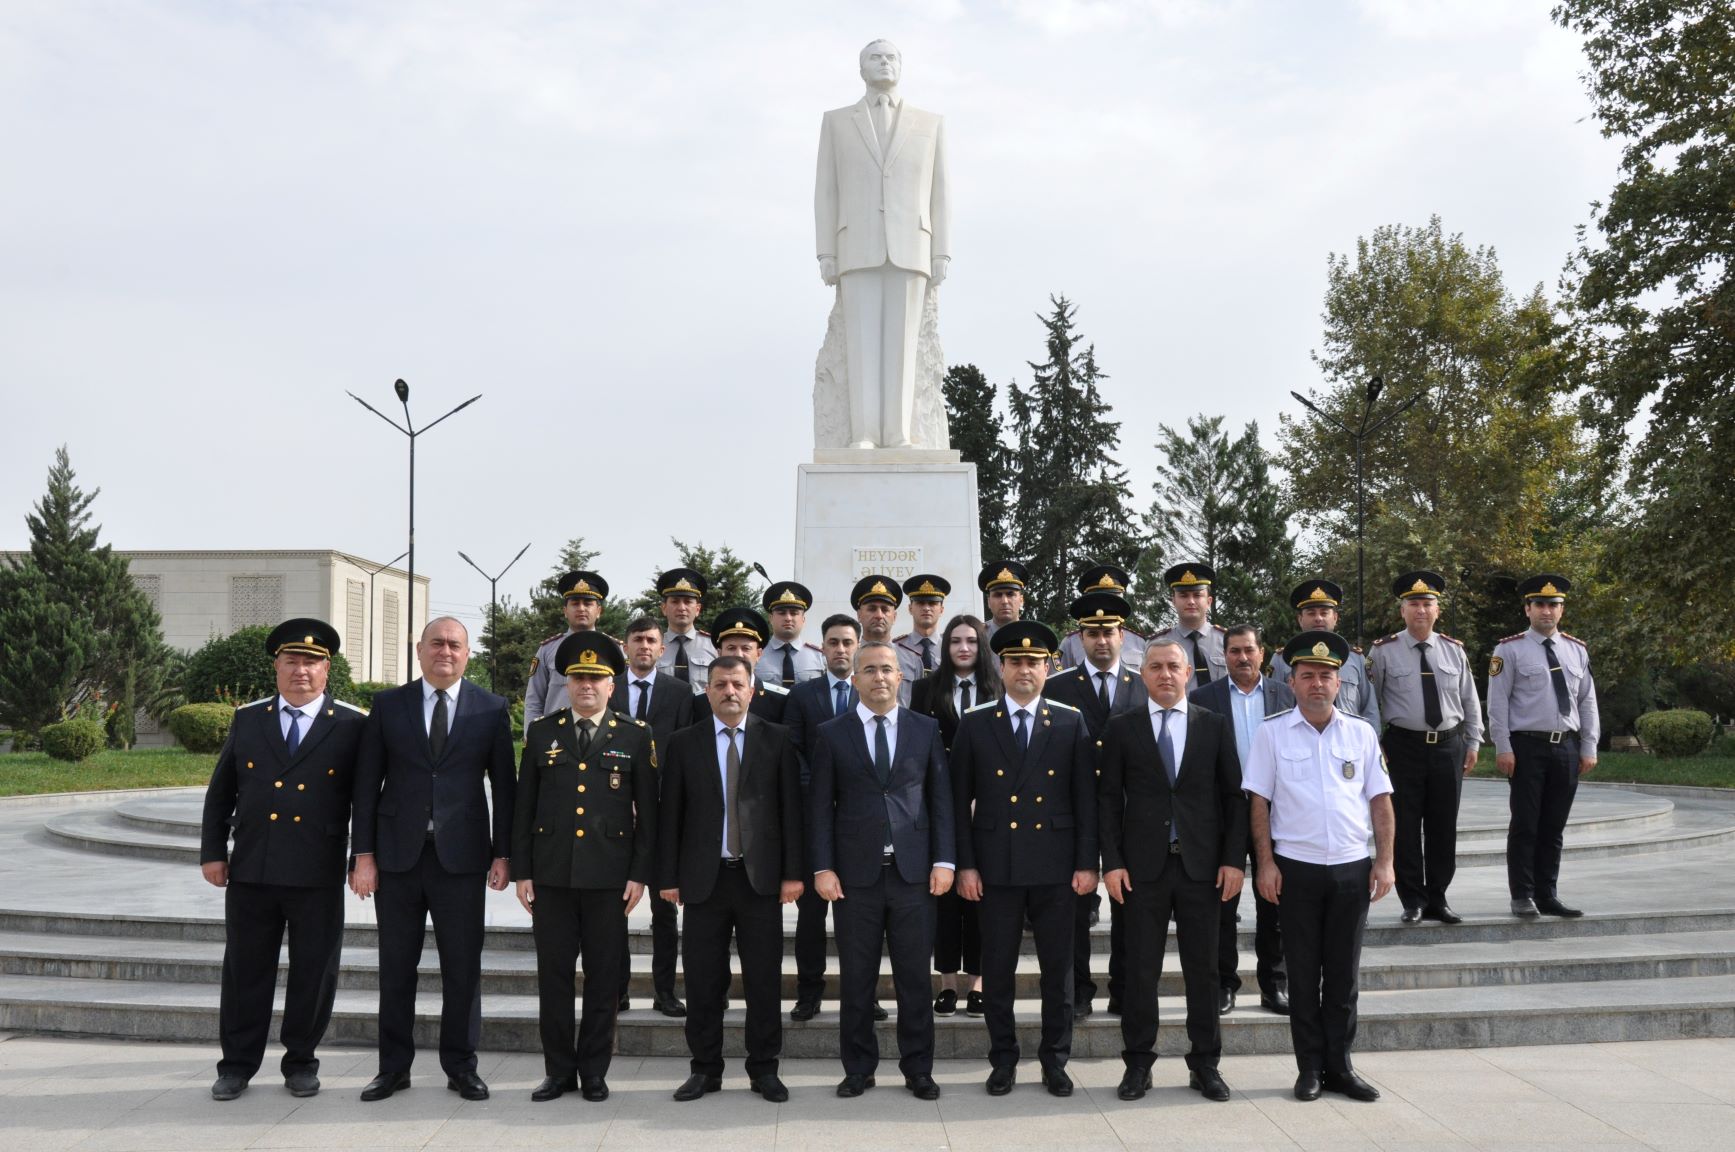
point(368, 672)
point(1359, 434)
point(493, 602)
point(409, 429)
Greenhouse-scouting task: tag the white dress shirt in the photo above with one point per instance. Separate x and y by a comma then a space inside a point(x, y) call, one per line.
point(308, 711)
point(634, 691)
point(428, 691)
point(958, 694)
point(740, 738)
point(1319, 785)
point(1177, 727)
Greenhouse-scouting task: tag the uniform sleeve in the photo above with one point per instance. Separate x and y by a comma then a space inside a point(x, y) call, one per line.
point(1589, 720)
point(1376, 778)
point(524, 811)
point(1500, 679)
point(642, 867)
point(1259, 774)
point(822, 818)
point(537, 690)
point(220, 796)
point(1087, 850)
point(963, 768)
point(502, 783)
point(1472, 701)
point(1111, 801)
point(1370, 702)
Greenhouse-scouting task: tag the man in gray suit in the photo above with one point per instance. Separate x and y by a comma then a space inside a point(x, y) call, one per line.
point(881, 223)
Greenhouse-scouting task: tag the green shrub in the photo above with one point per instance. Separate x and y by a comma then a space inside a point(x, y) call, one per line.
point(202, 727)
point(1678, 732)
point(234, 669)
point(74, 740)
point(516, 711)
point(362, 692)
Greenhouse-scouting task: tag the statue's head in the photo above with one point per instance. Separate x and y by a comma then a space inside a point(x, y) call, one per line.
point(881, 64)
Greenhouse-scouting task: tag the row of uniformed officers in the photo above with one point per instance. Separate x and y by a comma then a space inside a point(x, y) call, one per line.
point(772, 790)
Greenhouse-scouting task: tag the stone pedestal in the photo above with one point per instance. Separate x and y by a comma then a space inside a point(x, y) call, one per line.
point(890, 515)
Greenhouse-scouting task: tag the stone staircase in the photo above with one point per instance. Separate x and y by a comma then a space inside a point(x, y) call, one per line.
point(123, 939)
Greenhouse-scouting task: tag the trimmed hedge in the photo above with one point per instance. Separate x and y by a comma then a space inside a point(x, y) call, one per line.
point(74, 740)
point(1676, 733)
point(362, 693)
point(202, 727)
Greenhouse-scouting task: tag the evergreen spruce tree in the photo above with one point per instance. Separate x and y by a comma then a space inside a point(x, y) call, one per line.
point(978, 433)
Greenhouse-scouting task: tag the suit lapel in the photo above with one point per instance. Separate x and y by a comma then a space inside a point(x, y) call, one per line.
point(898, 136)
point(857, 736)
point(605, 732)
point(865, 126)
point(1041, 721)
point(1002, 725)
point(273, 724)
point(322, 724)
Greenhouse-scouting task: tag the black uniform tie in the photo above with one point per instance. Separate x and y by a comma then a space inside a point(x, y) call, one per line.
point(1201, 668)
point(293, 737)
point(882, 752)
point(1562, 698)
point(643, 711)
point(683, 671)
point(437, 729)
point(963, 697)
point(789, 665)
point(927, 654)
point(584, 730)
point(1430, 689)
point(1021, 730)
point(1102, 689)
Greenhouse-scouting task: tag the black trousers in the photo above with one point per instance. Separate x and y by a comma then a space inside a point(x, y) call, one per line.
point(1267, 941)
point(665, 942)
point(570, 922)
point(1324, 909)
point(810, 910)
point(755, 922)
point(1083, 987)
point(1052, 909)
point(957, 936)
point(901, 914)
point(1543, 784)
point(255, 917)
point(402, 906)
point(1117, 952)
point(1150, 905)
point(1427, 781)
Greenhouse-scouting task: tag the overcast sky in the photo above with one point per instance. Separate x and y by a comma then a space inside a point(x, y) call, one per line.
point(217, 217)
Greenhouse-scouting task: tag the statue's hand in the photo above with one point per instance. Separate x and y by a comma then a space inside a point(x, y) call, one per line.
point(828, 270)
point(938, 275)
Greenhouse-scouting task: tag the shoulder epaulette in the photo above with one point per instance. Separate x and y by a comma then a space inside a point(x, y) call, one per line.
point(1220, 628)
point(1450, 639)
point(1134, 632)
point(702, 632)
point(1511, 638)
point(773, 687)
point(1356, 648)
point(1074, 632)
point(1385, 639)
point(261, 700)
point(901, 639)
point(1059, 704)
point(979, 707)
point(1576, 640)
point(360, 711)
point(1275, 715)
point(547, 639)
point(815, 647)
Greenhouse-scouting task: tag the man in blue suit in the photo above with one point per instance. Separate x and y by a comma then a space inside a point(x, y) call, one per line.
point(426, 842)
point(882, 850)
point(1244, 698)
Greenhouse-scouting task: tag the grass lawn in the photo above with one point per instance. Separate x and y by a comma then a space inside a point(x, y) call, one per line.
point(30, 773)
point(1702, 771)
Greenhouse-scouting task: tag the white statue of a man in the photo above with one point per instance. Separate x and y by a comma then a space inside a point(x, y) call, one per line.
point(880, 215)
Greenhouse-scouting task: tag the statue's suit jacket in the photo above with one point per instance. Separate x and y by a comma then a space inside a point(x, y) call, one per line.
point(870, 209)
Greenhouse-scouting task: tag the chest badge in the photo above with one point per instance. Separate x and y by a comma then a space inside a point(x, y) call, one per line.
point(1349, 769)
point(614, 780)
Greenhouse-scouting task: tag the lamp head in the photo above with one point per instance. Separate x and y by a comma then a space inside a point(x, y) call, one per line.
point(403, 391)
point(1375, 386)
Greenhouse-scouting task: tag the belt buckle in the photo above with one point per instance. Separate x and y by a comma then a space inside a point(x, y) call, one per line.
point(1431, 737)
point(1556, 737)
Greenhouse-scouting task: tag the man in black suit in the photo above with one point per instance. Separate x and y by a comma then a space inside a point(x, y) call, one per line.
point(666, 705)
point(743, 632)
point(883, 849)
point(583, 838)
point(282, 782)
point(421, 807)
point(1244, 698)
point(810, 704)
point(1099, 687)
point(730, 852)
point(1174, 838)
point(1024, 795)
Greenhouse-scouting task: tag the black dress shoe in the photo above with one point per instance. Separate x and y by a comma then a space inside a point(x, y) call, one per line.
point(946, 1003)
point(804, 1010)
point(853, 1085)
point(922, 1087)
point(228, 1086)
point(697, 1085)
point(1001, 1079)
point(1552, 907)
point(468, 1085)
point(1443, 913)
point(768, 1086)
point(669, 1006)
point(1057, 1081)
point(973, 1005)
point(302, 1082)
point(593, 1088)
point(1275, 1001)
point(624, 1004)
point(1134, 1084)
point(880, 1012)
point(1208, 1083)
point(1524, 906)
point(1114, 1006)
point(1411, 916)
point(1351, 1085)
point(553, 1088)
point(1081, 1009)
point(384, 1085)
point(1225, 1001)
point(1307, 1085)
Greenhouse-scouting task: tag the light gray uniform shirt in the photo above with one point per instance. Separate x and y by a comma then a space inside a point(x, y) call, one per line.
point(700, 653)
point(1395, 668)
point(1521, 695)
point(809, 662)
point(1211, 646)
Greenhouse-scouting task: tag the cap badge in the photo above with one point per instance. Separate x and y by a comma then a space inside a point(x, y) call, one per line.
point(1318, 593)
point(1322, 649)
point(307, 639)
point(879, 589)
point(588, 656)
point(1548, 589)
point(1107, 581)
point(1027, 641)
point(927, 589)
point(1420, 586)
point(1187, 577)
point(1006, 574)
point(683, 585)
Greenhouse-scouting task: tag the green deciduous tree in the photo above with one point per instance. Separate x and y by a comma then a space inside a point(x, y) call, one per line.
point(46, 644)
point(730, 581)
point(978, 433)
point(1654, 300)
point(522, 628)
point(1071, 502)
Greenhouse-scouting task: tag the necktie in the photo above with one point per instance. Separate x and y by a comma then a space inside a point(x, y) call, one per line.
point(1102, 689)
point(882, 122)
point(1167, 755)
point(437, 728)
point(1430, 690)
point(1021, 730)
point(584, 730)
point(789, 665)
point(731, 797)
point(842, 698)
point(882, 752)
point(293, 737)
point(963, 697)
point(1562, 698)
point(642, 712)
point(927, 654)
point(683, 671)
point(1201, 667)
